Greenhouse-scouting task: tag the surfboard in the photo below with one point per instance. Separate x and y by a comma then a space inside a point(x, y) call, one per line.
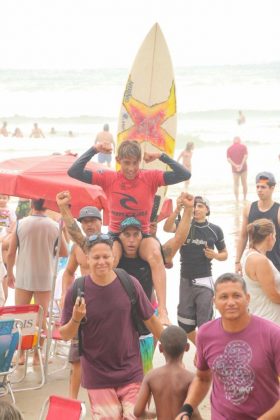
point(148, 109)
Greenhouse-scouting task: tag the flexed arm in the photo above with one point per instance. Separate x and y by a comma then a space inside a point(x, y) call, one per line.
point(178, 174)
point(63, 200)
point(78, 171)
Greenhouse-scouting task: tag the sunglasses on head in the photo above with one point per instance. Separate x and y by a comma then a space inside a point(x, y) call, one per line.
point(100, 237)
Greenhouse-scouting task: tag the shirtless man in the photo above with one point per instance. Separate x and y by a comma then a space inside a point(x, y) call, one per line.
point(104, 137)
point(186, 156)
point(90, 219)
point(37, 133)
point(3, 130)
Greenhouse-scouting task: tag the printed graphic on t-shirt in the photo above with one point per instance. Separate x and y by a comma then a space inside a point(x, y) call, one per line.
point(234, 371)
point(4, 218)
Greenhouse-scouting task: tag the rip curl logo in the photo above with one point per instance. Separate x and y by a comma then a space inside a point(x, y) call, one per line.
point(233, 370)
point(126, 200)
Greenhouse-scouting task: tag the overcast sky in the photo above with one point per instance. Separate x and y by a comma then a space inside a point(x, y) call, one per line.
point(107, 33)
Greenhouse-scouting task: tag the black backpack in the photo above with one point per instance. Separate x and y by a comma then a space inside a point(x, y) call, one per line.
point(127, 283)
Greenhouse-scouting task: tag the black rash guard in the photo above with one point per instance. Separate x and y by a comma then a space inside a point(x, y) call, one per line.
point(78, 171)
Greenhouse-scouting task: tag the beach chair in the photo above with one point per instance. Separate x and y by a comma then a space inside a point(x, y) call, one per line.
point(57, 407)
point(32, 318)
point(10, 341)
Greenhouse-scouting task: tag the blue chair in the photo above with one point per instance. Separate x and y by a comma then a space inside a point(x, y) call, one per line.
point(10, 341)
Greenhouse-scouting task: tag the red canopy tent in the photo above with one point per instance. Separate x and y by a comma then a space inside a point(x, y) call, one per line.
point(45, 176)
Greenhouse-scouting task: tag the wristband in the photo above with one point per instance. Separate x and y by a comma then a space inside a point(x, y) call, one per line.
point(187, 408)
point(237, 262)
point(76, 322)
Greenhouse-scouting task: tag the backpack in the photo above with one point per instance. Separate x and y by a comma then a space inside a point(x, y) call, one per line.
point(127, 283)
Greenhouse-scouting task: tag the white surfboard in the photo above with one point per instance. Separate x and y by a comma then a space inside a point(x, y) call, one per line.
point(148, 110)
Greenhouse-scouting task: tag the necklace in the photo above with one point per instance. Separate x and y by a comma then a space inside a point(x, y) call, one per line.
point(257, 250)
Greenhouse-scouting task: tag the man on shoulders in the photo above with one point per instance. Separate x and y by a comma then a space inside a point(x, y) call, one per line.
point(264, 208)
point(245, 372)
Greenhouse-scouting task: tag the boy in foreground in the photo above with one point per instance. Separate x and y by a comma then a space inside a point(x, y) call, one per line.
point(167, 384)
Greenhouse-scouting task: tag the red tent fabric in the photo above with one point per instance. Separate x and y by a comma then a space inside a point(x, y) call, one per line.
point(45, 176)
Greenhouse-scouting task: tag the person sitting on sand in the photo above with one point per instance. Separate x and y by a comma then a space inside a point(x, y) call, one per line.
point(37, 133)
point(130, 192)
point(167, 384)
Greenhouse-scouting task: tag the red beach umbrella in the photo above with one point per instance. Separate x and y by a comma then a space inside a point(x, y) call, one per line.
point(45, 176)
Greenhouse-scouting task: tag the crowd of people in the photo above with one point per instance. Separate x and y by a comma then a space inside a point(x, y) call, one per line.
point(116, 312)
point(38, 133)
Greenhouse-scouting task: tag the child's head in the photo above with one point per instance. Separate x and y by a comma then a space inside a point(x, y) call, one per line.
point(129, 158)
point(9, 411)
point(173, 341)
point(4, 200)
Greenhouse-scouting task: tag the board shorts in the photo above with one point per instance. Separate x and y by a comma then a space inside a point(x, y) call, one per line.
point(114, 403)
point(104, 158)
point(147, 346)
point(195, 304)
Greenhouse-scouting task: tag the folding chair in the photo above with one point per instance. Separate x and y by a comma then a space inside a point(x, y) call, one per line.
point(10, 340)
point(32, 318)
point(56, 407)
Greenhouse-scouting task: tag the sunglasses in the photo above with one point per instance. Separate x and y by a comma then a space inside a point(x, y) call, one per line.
point(100, 237)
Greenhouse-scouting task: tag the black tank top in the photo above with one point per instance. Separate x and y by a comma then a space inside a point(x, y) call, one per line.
point(271, 214)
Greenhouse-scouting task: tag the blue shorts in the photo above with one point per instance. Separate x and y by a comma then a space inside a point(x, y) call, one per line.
point(104, 157)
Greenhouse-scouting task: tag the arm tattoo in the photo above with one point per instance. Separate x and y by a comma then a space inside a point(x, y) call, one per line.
point(167, 252)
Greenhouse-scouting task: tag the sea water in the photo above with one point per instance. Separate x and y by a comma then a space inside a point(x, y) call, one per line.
point(208, 100)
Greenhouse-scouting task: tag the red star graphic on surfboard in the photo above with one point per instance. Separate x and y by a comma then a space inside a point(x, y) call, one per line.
point(148, 122)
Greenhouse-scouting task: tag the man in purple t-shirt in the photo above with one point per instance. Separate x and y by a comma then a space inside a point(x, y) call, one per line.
point(110, 361)
point(240, 352)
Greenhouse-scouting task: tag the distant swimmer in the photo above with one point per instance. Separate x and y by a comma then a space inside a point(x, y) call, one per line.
point(37, 133)
point(53, 131)
point(17, 133)
point(71, 134)
point(241, 118)
point(3, 129)
point(104, 137)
